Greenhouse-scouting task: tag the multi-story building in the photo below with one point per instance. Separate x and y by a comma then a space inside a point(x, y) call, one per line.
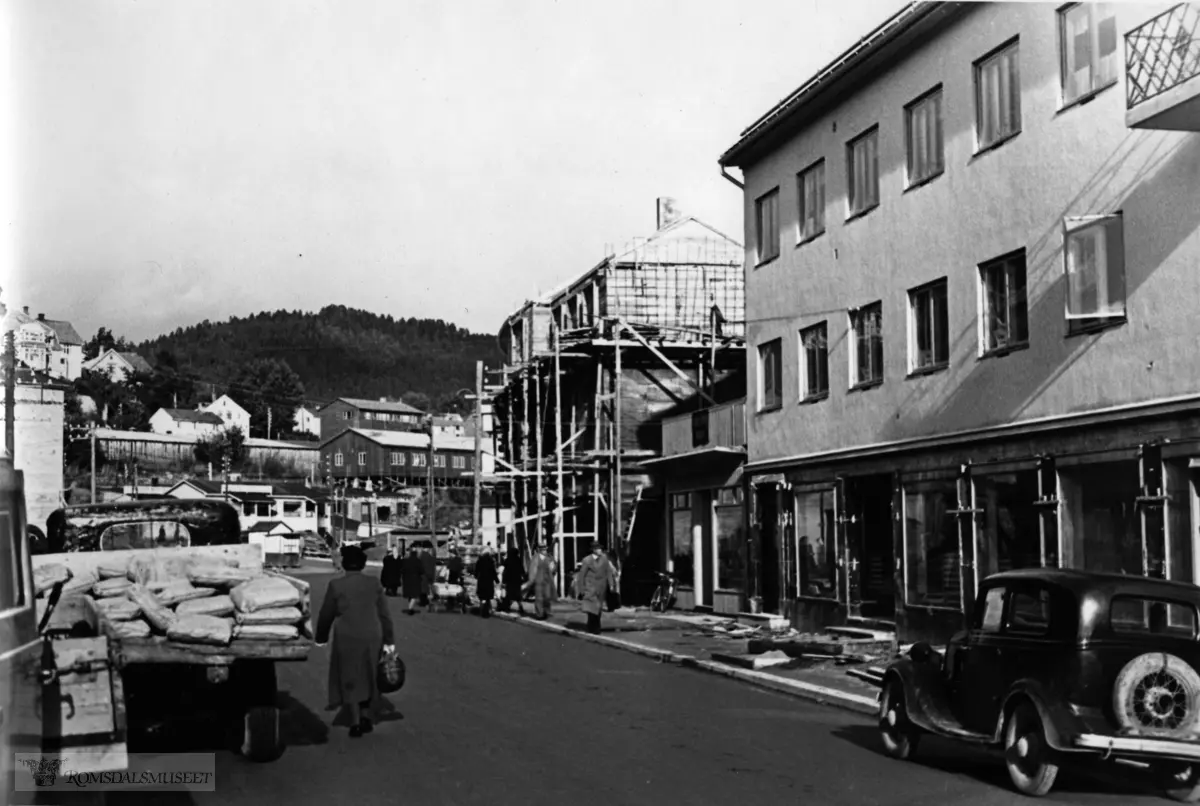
point(971, 280)
point(374, 415)
point(52, 346)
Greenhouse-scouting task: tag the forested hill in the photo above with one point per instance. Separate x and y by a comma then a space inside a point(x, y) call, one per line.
point(338, 352)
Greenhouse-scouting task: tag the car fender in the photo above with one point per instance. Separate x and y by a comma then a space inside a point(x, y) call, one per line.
point(1057, 721)
point(924, 692)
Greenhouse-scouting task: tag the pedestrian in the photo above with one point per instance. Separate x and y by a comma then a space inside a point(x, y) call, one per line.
point(454, 575)
point(514, 581)
point(390, 576)
point(428, 577)
point(411, 574)
point(596, 578)
point(542, 580)
point(356, 612)
point(485, 581)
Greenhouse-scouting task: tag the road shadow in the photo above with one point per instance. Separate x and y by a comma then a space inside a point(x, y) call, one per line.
point(987, 766)
point(385, 711)
point(298, 724)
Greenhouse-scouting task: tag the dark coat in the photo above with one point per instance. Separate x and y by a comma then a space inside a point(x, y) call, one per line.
point(390, 576)
point(356, 611)
point(596, 577)
point(454, 570)
point(486, 577)
point(411, 572)
point(514, 575)
point(428, 572)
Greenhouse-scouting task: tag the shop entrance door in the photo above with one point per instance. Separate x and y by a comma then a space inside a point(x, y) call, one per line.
point(864, 514)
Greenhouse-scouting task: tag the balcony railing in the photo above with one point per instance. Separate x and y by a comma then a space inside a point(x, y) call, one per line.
point(1162, 53)
point(722, 426)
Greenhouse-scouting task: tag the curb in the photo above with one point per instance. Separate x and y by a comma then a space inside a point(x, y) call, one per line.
point(780, 685)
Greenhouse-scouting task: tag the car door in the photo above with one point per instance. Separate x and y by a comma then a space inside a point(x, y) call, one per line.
point(980, 675)
point(1034, 626)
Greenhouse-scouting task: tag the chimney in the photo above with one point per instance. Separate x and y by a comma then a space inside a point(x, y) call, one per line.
point(26, 309)
point(41, 317)
point(668, 211)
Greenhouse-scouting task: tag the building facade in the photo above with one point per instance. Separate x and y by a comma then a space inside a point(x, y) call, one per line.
point(374, 415)
point(970, 278)
point(307, 421)
point(399, 457)
point(52, 346)
point(231, 414)
point(118, 365)
point(185, 422)
point(38, 452)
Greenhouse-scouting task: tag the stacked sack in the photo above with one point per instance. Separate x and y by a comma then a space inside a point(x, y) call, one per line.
point(189, 600)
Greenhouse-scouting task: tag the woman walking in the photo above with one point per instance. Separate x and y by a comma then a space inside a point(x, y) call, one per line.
point(596, 578)
point(356, 612)
point(514, 581)
point(412, 573)
point(390, 576)
point(485, 581)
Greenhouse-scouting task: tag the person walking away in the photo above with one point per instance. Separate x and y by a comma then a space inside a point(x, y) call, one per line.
point(514, 581)
point(390, 576)
point(485, 581)
point(411, 573)
point(428, 577)
point(454, 575)
point(356, 612)
point(542, 580)
point(596, 578)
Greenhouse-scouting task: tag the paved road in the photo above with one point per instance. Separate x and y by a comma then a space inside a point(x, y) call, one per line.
point(498, 713)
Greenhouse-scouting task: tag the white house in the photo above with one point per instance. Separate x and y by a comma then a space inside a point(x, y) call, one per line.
point(185, 421)
point(294, 506)
point(49, 345)
point(230, 412)
point(117, 364)
point(307, 421)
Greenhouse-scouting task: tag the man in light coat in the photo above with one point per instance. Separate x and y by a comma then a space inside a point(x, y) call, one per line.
point(542, 574)
point(596, 578)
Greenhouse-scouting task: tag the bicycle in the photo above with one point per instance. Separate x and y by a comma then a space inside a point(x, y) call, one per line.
point(664, 594)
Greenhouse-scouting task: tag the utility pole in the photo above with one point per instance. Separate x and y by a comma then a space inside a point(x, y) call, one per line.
point(10, 394)
point(268, 422)
point(429, 477)
point(476, 512)
point(92, 433)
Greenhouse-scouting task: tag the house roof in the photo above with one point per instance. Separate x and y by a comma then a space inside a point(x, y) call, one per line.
point(232, 402)
point(138, 363)
point(65, 330)
point(253, 498)
point(388, 439)
point(293, 491)
point(268, 526)
point(203, 485)
point(193, 416)
point(380, 405)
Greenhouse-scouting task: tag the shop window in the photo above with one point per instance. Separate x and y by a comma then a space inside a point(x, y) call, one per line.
point(681, 538)
point(931, 544)
point(1179, 521)
point(816, 552)
point(1102, 524)
point(731, 540)
point(1009, 526)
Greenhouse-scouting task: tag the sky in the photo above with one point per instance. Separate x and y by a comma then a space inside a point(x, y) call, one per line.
point(184, 160)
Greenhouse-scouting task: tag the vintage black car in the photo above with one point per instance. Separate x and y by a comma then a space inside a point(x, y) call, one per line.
point(1060, 664)
point(151, 523)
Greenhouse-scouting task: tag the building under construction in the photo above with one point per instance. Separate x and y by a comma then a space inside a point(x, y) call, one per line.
point(653, 330)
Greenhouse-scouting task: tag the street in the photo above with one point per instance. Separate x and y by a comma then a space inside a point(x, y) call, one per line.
point(495, 712)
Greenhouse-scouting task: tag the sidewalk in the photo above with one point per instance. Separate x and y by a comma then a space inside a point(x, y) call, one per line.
point(717, 645)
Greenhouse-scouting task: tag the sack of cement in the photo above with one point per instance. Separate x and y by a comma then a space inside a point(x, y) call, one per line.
point(159, 616)
point(272, 615)
point(264, 592)
point(181, 591)
point(265, 632)
point(131, 629)
point(46, 577)
point(219, 576)
point(200, 629)
point(219, 606)
point(113, 568)
point(113, 586)
point(81, 582)
point(157, 568)
point(118, 608)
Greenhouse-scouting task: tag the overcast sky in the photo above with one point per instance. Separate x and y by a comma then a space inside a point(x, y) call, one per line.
point(179, 160)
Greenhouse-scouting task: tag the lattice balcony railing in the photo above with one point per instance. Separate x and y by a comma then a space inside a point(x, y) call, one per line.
point(1162, 53)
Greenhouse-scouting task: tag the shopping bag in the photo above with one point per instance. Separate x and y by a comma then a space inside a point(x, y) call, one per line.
point(390, 673)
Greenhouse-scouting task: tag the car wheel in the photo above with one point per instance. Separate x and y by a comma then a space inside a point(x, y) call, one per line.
point(1026, 753)
point(1158, 694)
point(1180, 781)
point(900, 738)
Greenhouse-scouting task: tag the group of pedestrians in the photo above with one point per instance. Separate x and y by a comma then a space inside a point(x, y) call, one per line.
point(413, 576)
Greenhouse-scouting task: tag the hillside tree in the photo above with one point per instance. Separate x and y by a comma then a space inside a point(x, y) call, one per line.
point(268, 385)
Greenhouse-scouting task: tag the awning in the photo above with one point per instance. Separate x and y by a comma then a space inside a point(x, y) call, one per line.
point(701, 453)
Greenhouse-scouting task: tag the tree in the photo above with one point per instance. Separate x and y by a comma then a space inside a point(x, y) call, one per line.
point(418, 400)
point(104, 340)
point(268, 385)
point(229, 442)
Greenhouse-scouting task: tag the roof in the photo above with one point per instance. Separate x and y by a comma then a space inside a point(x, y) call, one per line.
point(899, 29)
point(293, 491)
point(252, 498)
point(1079, 581)
point(267, 526)
point(388, 439)
point(138, 363)
point(232, 402)
point(193, 416)
point(380, 405)
point(203, 485)
point(65, 330)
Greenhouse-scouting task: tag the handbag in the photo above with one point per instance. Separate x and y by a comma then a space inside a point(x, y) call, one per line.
point(612, 600)
point(390, 673)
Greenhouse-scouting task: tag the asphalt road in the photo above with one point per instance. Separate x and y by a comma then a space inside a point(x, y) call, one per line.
point(497, 713)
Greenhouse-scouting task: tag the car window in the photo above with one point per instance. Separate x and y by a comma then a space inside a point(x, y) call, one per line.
point(991, 614)
point(1029, 613)
point(145, 535)
point(1136, 614)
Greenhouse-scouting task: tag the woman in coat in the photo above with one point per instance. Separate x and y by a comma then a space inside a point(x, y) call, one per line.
point(428, 577)
point(514, 581)
point(390, 576)
point(596, 578)
point(412, 571)
point(356, 611)
point(485, 581)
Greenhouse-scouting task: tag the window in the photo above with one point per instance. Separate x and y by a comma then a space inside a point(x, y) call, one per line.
point(929, 323)
point(345, 415)
point(816, 544)
point(811, 183)
point(1004, 306)
point(397, 458)
point(862, 172)
point(767, 218)
point(991, 614)
point(439, 460)
point(681, 538)
point(814, 362)
point(339, 459)
point(12, 569)
point(1088, 47)
point(866, 357)
point(418, 460)
point(460, 462)
point(699, 428)
point(1132, 614)
point(145, 535)
point(997, 97)
point(923, 136)
point(931, 543)
point(731, 539)
point(770, 367)
point(1029, 613)
point(1095, 265)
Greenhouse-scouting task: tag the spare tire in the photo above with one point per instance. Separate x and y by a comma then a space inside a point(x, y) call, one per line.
point(1157, 694)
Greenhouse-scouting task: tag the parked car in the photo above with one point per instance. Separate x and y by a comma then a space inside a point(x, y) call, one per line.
point(1060, 664)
